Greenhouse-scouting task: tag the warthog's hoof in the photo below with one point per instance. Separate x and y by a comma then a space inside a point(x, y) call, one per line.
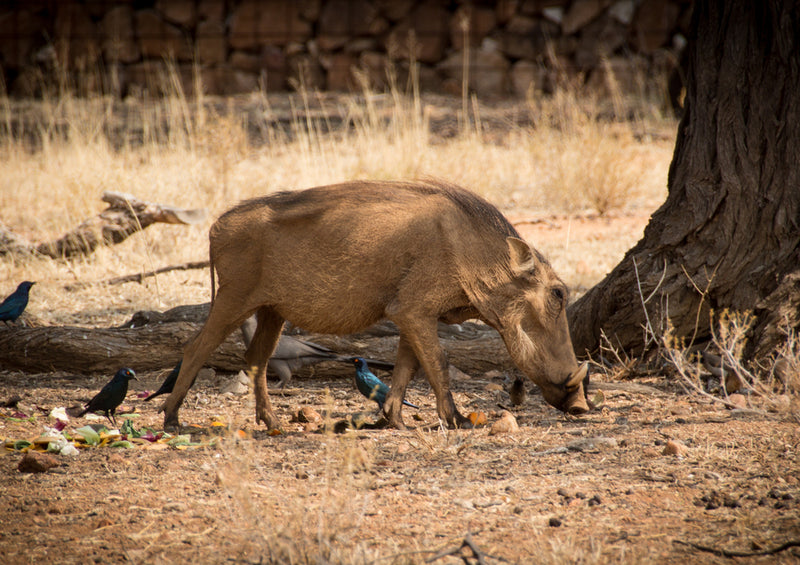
point(396, 422)
point(268, 418)
point(171, 424)
point(460, 422)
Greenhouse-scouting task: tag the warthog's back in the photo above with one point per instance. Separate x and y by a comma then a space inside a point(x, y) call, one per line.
point(333, 258)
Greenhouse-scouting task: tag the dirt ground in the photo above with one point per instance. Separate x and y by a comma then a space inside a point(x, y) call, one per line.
point(594, 489)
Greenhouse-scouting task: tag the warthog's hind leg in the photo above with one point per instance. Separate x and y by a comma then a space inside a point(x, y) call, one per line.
point(258, 353)
point(405, 366)
point(424, 341)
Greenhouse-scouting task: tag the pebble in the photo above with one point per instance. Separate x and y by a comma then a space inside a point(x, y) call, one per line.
point(738, 400)
point(507, 424)
point(674, 447)
point(34, 462)
point(307, 414)
point(554, 522)
point(592, 443)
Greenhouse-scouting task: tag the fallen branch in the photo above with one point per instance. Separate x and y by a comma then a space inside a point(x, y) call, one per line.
point(124, 216)
point(728, 553)
point(467, 542)
point(139, 277)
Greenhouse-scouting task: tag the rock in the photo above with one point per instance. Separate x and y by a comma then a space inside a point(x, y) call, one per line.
point(158, 39)
point(480, 21)
point(653, 23)
point(527, 38)
point(308, 414)
point(529, 76)
point(181, 12)
point(592, 444)
point(507, 424)
point(674, 447)
point(255, 21)
point(493, 387)
point(429, 23)
point(581, 13)
point(341, 20)
point(738, 400)
point(488, 70)
point(339, 71)
point(240, 385)
point(210, 44)
point(554, 522)
point(118, 43)
point(34, 462)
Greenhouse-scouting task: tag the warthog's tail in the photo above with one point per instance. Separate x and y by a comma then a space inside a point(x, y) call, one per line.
point(213, 282)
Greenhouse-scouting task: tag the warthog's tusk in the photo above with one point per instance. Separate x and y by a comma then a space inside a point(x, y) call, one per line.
point(577, 377)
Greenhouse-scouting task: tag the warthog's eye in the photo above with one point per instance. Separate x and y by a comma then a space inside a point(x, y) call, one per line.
point(558, 294)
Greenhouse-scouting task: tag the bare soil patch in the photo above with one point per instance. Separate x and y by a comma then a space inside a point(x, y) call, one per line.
point(594, 489)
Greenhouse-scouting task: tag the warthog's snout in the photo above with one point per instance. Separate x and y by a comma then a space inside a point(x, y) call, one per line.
point(573, 398)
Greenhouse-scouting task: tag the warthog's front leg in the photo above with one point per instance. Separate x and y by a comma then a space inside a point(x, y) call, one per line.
point(258, 353)
point(425, 343)
point(405, 366)
point(222, 320)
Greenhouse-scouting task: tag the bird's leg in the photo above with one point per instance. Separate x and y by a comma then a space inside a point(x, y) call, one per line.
point(258, 353)
point(404, 368)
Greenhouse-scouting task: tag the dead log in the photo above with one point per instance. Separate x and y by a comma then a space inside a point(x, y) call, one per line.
point(87, 350)
point(157, 346)
point(124, 216)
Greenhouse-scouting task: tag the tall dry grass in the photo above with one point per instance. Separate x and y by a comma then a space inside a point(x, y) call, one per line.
point(58, 154)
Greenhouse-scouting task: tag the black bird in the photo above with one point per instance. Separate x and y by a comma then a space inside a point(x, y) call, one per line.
point(111, 395)
point(12, 307)
point(517, 391)
point(168, 384)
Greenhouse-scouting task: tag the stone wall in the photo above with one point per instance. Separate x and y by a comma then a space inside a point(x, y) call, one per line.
point(236, 46)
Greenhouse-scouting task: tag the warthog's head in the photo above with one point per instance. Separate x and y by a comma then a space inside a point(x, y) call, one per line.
point(529, 310)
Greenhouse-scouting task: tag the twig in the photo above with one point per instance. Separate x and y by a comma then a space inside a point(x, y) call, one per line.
point(677, 360)
point(729, 553)
point(139, 277)
point(476, 553)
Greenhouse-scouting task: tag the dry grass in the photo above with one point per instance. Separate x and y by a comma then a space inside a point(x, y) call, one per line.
point(200, 153)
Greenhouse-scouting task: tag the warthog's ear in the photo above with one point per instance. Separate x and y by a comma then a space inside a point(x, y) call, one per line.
point(522, 258)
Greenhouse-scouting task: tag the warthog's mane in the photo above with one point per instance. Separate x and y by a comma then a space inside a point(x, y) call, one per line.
point(296, 204)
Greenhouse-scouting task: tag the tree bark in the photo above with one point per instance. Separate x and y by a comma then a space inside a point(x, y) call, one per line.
point(728, 235)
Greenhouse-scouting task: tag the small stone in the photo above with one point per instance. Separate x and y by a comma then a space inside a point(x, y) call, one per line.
point(307, 414)
point(507, 424)
point(563, 492)
point(34, 462)
point(675, 448)
point(650, 452)
point(592, 443)
point(554, 522)
point(595, 501)
point(738, 400)
point(240, 385)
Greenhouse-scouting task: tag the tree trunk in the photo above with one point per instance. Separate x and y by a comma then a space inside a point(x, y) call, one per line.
point(728, 235)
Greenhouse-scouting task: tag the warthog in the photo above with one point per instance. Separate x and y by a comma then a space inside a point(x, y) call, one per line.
point(336, 259)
